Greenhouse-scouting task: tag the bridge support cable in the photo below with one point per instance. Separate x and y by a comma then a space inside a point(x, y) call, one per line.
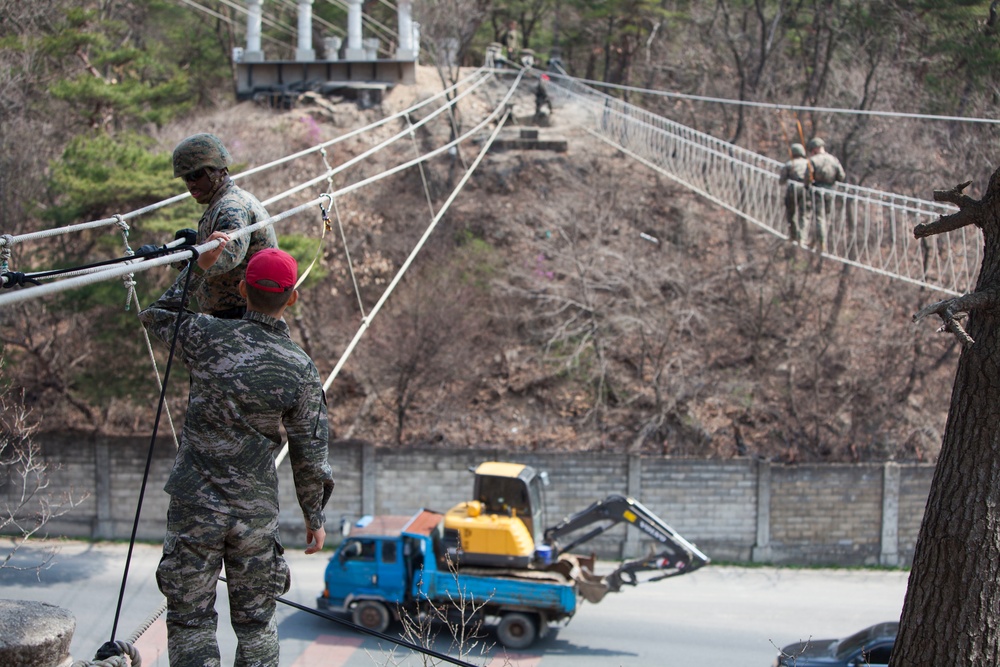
point(17, 296)
point(474, 80)
point(366, 322)
point(866, 228)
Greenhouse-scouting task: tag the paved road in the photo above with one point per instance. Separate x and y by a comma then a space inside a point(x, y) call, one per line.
point(716, 617)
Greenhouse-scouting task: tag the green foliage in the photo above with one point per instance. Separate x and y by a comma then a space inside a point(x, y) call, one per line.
point(118, 80)
point(305, 249)
point(477, 263)
point(100, 175)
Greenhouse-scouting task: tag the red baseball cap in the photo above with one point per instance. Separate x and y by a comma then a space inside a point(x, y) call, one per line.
point(275, 265)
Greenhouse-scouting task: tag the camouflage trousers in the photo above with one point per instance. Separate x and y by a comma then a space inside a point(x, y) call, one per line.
point(796, 211)
point(197, 545)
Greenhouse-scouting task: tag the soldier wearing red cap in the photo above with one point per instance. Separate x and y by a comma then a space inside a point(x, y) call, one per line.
point(248, 380)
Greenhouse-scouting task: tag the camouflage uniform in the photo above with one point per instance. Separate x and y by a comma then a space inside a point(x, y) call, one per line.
point(231, 209)
point(512, 43)
point(826, 171)
point(794, 176)
point(248, 378)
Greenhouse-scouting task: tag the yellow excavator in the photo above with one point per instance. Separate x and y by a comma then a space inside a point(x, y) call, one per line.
point(504, 527)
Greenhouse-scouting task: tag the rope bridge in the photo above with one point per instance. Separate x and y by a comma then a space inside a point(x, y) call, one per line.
point(866, 228)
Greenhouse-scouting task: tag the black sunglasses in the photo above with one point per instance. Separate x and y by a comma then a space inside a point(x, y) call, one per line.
point(195, 175)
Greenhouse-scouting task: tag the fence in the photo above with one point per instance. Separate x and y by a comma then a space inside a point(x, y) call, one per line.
point(736, 510)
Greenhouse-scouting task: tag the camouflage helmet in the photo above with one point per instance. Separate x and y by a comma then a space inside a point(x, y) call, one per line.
point(798, 150)
point(200, 150)
point(815, 142)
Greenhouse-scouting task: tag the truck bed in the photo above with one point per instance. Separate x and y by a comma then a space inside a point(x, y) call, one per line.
point(557, 600)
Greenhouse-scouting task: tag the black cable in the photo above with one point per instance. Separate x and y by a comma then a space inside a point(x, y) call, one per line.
point(144, 252)
point(152, 254)
point(152, 442)
point(374, 633)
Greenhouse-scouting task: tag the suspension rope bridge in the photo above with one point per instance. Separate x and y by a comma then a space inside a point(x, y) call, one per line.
point(868, 228)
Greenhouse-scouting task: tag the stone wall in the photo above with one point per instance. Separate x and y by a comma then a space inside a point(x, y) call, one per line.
point(736, 510)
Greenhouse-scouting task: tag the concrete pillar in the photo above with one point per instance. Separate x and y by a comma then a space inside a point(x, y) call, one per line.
point(368, 478)
point(889, 553)
point(404, 12)
point(35, 634)
point(331, 47)
point(355, 49)
point(631, 546)
point(761, 552)
point(305, 52)
point(253, 54)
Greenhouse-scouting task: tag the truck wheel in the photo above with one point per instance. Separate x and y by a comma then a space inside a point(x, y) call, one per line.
point(371, 614)
point(517, 630)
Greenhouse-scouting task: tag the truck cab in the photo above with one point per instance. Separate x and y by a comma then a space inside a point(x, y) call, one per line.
point(378, 568)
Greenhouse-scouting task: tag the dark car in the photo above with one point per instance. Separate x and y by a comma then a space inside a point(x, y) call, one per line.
point(870, 647)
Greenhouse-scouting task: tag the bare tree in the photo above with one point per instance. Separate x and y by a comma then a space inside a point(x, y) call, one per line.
point(416, 353)
point(952, 607)
point(26, 501)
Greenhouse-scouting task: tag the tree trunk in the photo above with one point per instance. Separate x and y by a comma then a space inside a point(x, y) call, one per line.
point(951, 615)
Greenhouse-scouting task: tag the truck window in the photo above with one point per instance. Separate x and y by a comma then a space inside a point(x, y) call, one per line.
point(359, 550)
point(388, 552)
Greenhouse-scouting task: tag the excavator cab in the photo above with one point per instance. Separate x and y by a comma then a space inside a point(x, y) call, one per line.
point(505, 522)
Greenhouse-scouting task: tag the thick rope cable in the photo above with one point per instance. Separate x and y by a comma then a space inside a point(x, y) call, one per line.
point(114, 272)
point(347, 254)
point(361, 157)
point(423, 174)
point(366, 321)
point(773, 105)
point(8, 240)
point(413, 254)
point(126, 654)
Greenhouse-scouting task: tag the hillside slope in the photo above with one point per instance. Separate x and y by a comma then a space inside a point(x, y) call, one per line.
point(541, 315)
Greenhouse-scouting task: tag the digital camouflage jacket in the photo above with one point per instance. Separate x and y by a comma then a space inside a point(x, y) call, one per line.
point(248, 377)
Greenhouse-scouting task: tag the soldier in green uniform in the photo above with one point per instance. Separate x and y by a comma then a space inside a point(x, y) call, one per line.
point(826, 172)
point(202, 161)
point(248, 379)
point(512, 43)
point(794, 176)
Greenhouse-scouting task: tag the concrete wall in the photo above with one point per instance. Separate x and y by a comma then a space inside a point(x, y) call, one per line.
point(734, 510)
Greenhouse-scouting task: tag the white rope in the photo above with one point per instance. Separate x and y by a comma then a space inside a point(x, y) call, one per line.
point(99, 274)
point(865, 227)
point(6, 241)
point(416, 249)
point(223, 17)
point(130, 656)
point(772, 105)
point(378, 147)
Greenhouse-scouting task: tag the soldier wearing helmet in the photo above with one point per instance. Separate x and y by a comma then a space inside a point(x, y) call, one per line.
point(794, 176)
point(826, 171)
point(202, 162)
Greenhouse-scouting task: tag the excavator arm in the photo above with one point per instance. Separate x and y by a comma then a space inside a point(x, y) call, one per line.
point(673, 556)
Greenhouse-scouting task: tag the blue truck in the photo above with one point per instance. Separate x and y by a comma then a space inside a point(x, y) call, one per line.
point(492, 561)
point(394, 565)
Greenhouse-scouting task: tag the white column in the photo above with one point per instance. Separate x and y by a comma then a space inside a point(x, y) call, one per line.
point(253, 54)
point(355, 49)
point(305, 52)
point(404, 12)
